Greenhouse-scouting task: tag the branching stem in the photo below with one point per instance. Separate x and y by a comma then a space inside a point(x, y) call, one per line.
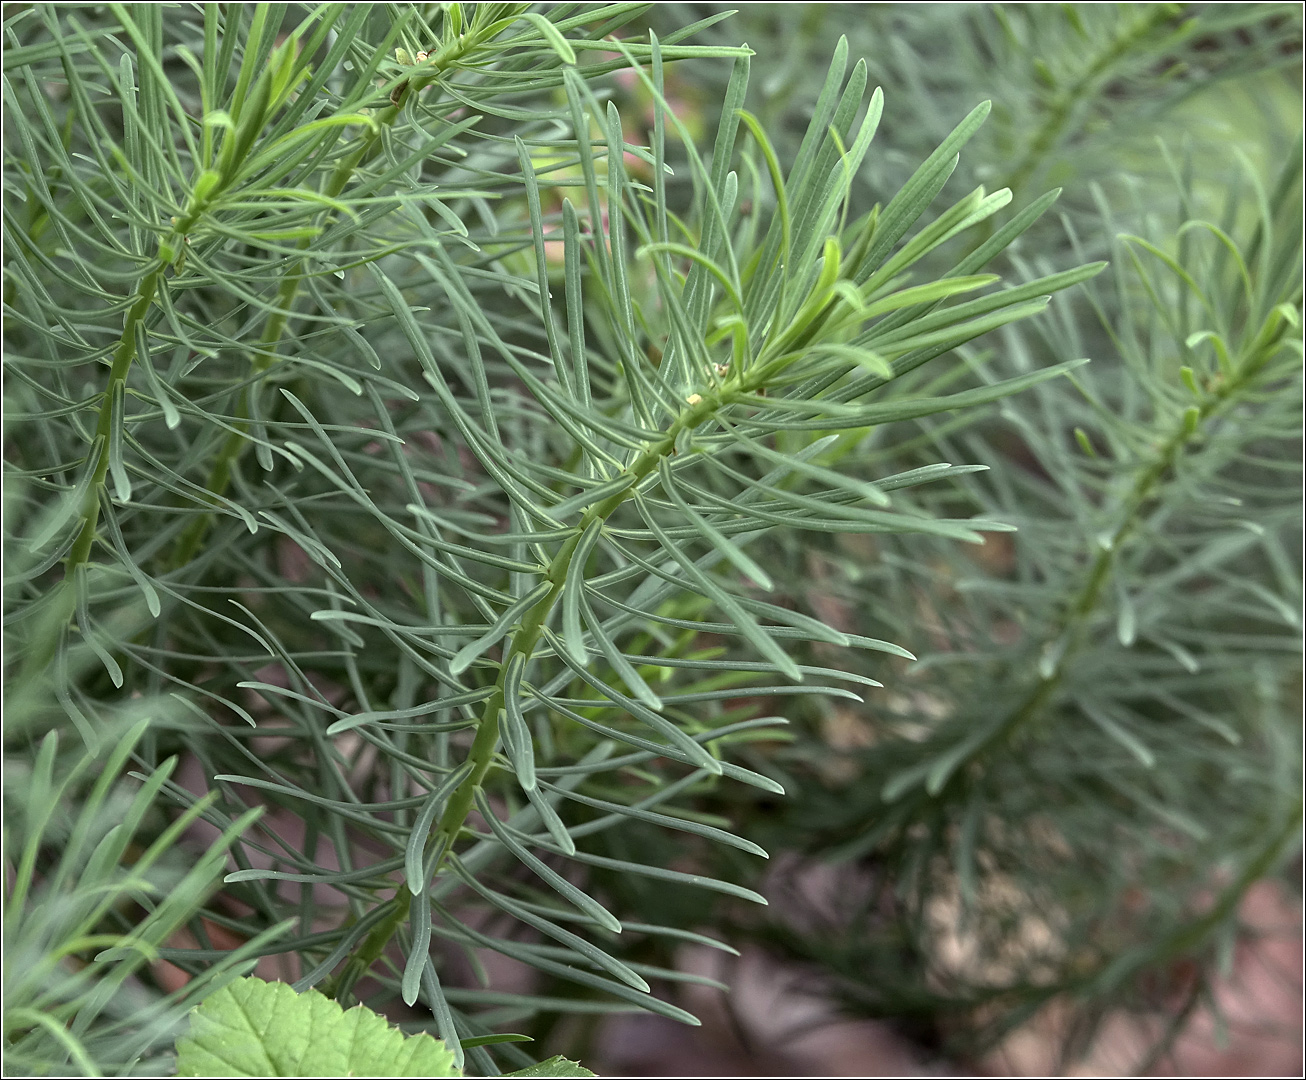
point(524, 640)
point(123, 355)
point(523, 644)
point(1074, 628)
point(1072, 97)
point(274, 327)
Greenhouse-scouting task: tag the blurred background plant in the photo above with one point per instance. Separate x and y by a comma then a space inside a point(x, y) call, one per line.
point(1057, 812)
point(1059, 808)
point(96, 882)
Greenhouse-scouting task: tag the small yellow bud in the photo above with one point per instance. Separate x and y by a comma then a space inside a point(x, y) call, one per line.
point(694, 399)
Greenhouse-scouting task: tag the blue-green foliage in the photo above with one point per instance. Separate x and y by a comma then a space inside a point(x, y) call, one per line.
point(423, 445)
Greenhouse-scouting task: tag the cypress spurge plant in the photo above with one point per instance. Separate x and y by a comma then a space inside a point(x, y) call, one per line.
point(486, 578)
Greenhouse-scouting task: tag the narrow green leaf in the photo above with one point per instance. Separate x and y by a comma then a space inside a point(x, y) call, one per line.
point(72, 502)
point(552, 822)
point(572, 941)
point(664, 820)
point(573, 637)
point(575, 307)
point(516, 732)
point(551, 35)
point(919, 191)
point(712, 534)
point(419, 952)
point(692, 750)
point(620, 665)
point(122, 488)
point(659, 873)
point(415, 874)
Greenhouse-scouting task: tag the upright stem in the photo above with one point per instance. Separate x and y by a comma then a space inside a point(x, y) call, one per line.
point(123, 356)
point(1069, 98)
point(1074, 627)
point(523, 644)
point(233, 446)
point(524, 640)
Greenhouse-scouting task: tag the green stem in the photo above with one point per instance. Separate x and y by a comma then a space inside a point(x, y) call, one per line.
point(370, 951)
point(1055, 127)
point(1069, 98)
point(525, 638)
point(123, 356)
point(523, 643)
point(169, 247)
point(1189, 936)
point(1074, 628)
point(233, 446)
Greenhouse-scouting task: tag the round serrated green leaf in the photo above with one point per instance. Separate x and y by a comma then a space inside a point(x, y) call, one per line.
point(554, 1066)
point(256, 1028)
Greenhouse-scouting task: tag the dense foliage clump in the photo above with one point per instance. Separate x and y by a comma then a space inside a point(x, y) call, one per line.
point(461, 481)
